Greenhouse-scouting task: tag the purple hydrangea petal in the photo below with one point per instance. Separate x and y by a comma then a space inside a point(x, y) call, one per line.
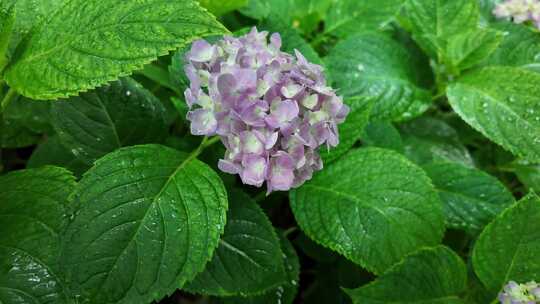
point(254, 172)
point(281, 176)
point(203, 122)
point(229, 167)
point(201, 51)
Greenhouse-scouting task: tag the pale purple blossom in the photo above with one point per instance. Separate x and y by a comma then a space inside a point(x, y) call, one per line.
point(514, 293)
point(272, 110)
point(519, 11)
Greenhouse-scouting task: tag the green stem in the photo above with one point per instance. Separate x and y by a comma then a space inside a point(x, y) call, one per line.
point(2, 85)
point(205, 143)
point(10, 96)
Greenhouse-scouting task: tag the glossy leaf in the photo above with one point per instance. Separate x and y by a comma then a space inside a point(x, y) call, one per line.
point(248, 259)
point(503, 103)
point(380, 69)
point(433, 22)
point(520, 47)
point(345, 17)
point(382, 135)
point(372, 205)
point(120, 114)
point(87, 43)
point(471, 198)
point(146, 220)
point(472, 47)
point(433, 275)
point(428, 140)
point(52, 153)
point(33, 215)
point(220, 7)
point(506, 249)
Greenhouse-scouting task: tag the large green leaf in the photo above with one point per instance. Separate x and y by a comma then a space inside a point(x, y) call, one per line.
point(372, 205)
point(503, 103)
point(433, 275)
point(507, 249)
point(13, 134)
point(286, 292)
point(471, 198)
point(528, 174)
point(346, 17)
point(120, 114)
point(520, 47)
point(351, 129)
point(146, 220)
point(374, 66)
point(428, 140)
point(87, 43)
point(52, 153)
point(33, 215)
point(435, 21)
point(248, 259)
point(32, 114)
point(382, 134)
point(30, 13)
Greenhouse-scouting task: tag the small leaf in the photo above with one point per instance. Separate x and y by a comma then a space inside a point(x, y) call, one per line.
point(507, 248)
point(87, 43)
point(120, 114)
point(520, 47)
point(372, 205)
point(33, 215)
point(471, 48)
point(380, 69)
point(432, 275)
point(52, 153)
point(503, 103)
point(527, 173)
point(471, 198)
point(248, 260)
point(32, 114)
point(13, 134)
point(345, 17)
point(350, 130)
point(146, 220)
point(427, 140)
point(285, 293)
point(435, 21)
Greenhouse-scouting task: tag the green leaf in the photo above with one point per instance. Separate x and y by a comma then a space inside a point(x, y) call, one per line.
point(380, 69)
point(262, 9)
point(503, 103)
point(30, 13)
point(248, 260)
point(427, 140)
point(13, 134)
point(432, 275)
point(346, 17)
point(372, 205)
point(90, 42)
point(520, 47)
point(33, 215)
point(220, 7)
point(120, 114)
point(507, 248)
point(350, 130)
point(471, 198)
point(527, 173)
point(382, 134)
point(160, 76)
point(7, 21)
point(435, 21)
point(32, 114)
point(471, 48)
point(146, 220)
point(51, 152)
point(285, 293)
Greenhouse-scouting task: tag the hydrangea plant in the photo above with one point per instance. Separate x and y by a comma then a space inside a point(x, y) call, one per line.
point(269, 151)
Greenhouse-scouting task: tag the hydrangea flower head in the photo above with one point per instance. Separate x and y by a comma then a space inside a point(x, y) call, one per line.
point(519, 10)
point(273, 111)
point(514, 293)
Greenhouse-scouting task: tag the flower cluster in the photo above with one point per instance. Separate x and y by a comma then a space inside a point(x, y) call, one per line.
point(272, 110)
point(515, 293)
point(519, 10)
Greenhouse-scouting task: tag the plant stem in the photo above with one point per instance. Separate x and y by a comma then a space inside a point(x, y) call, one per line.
point(210, 141)
point(8, 98)
point(205, 143)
